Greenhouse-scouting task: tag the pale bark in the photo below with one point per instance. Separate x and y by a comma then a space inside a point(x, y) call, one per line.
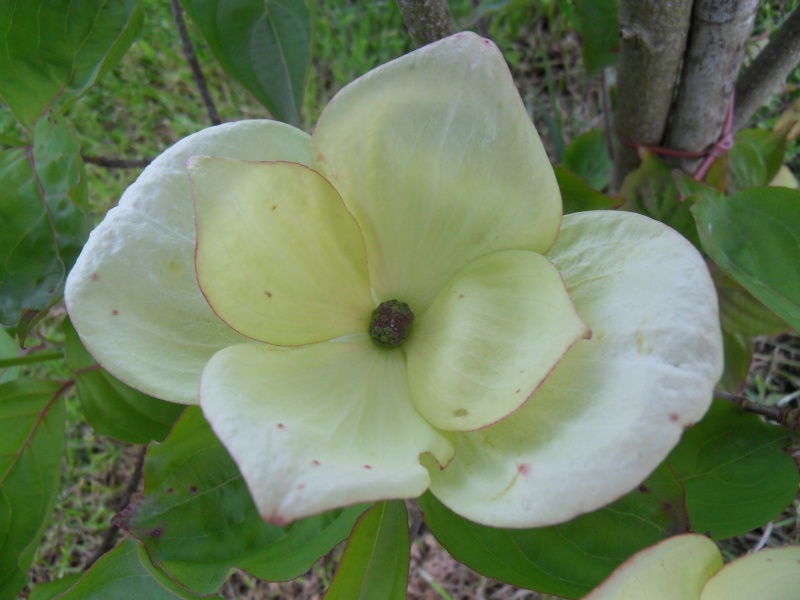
point(769, 70)
point(652, 41)
point(719, 32)
point(427, 20)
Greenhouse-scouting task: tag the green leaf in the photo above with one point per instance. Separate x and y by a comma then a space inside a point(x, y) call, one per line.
point(125, 573)
point(375, 563)
point(734, 471)
point(569, 559)
point(8, 349)
point(742, 313)
point(599, 30)
point(769, 146)
point(54, 49)
point(263, 44)
point(587, 157)
point(738, 351)
point(577, 196)
point(650, 190)
point(197, 520)
point(31, 445)
point(754, 235)
point(43, 225)
point(489, 7)
point(110, 406)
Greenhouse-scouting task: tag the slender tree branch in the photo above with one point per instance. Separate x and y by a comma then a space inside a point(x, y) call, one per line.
point(117, 163)
point(188, 52)
point(110, 536)
point(719, 32)
point(769, 70)
point(788, 417)
point(427, 20)
point(652, 40)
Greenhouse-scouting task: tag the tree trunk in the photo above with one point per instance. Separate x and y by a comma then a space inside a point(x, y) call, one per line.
point(427, 20)
point(719, 32)
point(769, 70)
point(653, 37)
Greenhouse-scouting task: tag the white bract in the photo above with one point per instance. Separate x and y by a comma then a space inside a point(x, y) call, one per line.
point(689, 567)
point(545, 374)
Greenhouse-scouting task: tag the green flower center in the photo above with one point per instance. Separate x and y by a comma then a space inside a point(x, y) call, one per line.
point(390, 323)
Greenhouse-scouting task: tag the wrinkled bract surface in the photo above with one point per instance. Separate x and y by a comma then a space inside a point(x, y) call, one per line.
point(552, 363)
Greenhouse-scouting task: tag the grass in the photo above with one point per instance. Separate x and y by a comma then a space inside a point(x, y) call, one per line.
point(149, 101)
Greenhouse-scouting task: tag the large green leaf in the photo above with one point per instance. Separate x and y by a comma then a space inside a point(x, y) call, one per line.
point(375, 563)
point(734, 471)
point(577, 195)
point(43, 225)
point(54, 49)
point(755, 236)
point(568, 559)
point(31, 445)
point(112, 407)
point(197, 520)
point(263, 44)
point(125, 573)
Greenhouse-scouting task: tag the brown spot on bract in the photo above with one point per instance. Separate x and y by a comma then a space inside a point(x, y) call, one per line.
point(315, 462)
point(460, 296)
point(268, 294)
point(524, 469)
point(281, 426)
point(674, 417)
point(300, 486)
point(94, 276)
point(115, 312)
point(517, 391)
point(367, 466)
point(460, 412)
point(193, 488)
point(274, 207)
point(157, 532)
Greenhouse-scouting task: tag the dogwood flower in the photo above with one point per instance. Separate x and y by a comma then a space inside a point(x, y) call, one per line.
point(395, 304)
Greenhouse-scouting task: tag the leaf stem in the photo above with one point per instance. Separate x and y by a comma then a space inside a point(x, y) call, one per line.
point(29, 359)
point(788, 417)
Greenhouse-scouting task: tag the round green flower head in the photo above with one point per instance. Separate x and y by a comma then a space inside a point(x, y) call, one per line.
point(390, 323)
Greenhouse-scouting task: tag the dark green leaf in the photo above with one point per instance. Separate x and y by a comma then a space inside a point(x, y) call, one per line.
point(43, 225)
point(263, 44)
point(734, 471)
point(375, 563)
point(31, 445)
point(746, 167)
point(770, 147)
point(650, 190)
point(755, 236)
point(8, 349)
point(54, 49)
point(125, 573)
point(568, 559)
point(110, 406)
point(197, 520)
point(587, 157)
point(599, 30)
point(577, 196)
point(738, 354)
point(740, 312)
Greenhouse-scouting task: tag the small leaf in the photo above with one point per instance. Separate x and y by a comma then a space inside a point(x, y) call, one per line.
point(111, 407)
point(31, 445)
point(734, 471)
point(263, 44)
point(755, 236)
point(770, 147)
point(577, 196)
point(587, 157)
point(375, 562)
point(125, 573)
point(54, 49)
point(598, 27)
point(43, 224)
point(569, 559)
point(8, 349)
point(197, 520)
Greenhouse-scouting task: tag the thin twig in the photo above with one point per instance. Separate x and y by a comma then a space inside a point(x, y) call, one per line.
point(117, 163)
point(788, 417)
point(188, 52)
point(110, 536)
